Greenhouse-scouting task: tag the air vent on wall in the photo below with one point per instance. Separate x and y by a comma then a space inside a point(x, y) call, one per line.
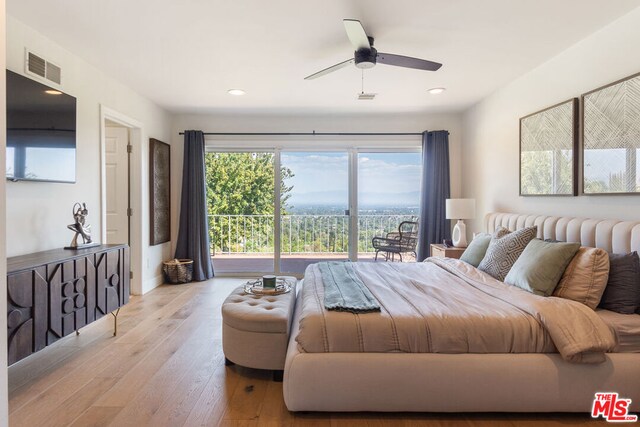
point(38, 66)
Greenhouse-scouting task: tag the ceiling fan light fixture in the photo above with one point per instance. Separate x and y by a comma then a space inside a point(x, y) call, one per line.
point(436, 90)
point(365, 65)
point(366, 58)
point(236, 92)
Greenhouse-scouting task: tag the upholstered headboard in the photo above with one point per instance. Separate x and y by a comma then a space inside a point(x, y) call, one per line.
point(611, 235)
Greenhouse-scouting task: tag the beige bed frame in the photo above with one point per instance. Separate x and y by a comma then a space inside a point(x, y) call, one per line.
point(430, 382)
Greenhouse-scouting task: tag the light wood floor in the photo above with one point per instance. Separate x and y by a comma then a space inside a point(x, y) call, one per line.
point(166, 367)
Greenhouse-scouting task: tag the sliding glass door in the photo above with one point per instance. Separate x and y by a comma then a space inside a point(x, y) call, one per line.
point(320, 206)
point(240, 192)
point(388, 194)
point(314, 209)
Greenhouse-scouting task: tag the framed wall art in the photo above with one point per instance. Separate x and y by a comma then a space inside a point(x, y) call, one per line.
point(611, 138)
point(548, 151)
point(160, 191)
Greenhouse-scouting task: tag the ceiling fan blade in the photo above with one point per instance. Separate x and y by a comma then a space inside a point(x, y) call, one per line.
point(330, 69)
point(408, 62)
point(356, 34)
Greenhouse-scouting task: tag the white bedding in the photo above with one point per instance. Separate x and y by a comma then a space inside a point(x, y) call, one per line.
point(448, 306)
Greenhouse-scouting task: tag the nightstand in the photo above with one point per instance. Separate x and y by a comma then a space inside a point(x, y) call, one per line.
point(438, 250)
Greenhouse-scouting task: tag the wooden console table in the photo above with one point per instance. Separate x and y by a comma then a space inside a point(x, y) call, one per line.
point(53, 293)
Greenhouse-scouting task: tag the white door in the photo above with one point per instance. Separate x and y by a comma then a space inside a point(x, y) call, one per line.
point(117, 171)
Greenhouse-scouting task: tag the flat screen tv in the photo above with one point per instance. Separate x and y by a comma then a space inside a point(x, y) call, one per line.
point(41, 132)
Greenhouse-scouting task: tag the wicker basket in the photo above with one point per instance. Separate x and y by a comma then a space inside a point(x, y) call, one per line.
point(178, 271)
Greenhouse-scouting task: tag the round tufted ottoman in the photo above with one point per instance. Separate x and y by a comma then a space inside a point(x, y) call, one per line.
point(255, 329)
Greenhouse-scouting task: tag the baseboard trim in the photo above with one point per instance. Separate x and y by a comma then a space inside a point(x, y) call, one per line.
point(152, 283)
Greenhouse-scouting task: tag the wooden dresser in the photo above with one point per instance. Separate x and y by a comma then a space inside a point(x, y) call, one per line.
point(51, 294)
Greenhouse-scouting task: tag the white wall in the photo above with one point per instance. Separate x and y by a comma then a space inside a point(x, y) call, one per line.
point(4, 393)
point(38, 213)
point(490, 128)
point(325, 123)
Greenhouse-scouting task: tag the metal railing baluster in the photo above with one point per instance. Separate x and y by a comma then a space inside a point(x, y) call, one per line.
point(244, 234)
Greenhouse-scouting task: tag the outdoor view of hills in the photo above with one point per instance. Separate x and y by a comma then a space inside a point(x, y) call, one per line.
point(374, 199)
point(329, 209)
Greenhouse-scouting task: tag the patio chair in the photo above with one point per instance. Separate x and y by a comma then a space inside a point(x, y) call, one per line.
point(398, 242)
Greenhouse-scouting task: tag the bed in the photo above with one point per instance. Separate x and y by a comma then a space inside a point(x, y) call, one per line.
point(544, 381)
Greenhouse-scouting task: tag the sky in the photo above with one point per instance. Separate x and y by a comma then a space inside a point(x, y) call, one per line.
point(383, 178)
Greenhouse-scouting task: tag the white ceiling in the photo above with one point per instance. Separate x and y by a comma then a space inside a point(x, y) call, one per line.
point(185, 54)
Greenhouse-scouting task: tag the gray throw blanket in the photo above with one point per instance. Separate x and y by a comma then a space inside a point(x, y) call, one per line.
point(343, 289)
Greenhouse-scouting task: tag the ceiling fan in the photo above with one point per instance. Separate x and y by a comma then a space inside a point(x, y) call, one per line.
point(366, 56)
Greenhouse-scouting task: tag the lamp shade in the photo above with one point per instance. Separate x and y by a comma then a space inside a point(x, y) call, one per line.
point(460, 208)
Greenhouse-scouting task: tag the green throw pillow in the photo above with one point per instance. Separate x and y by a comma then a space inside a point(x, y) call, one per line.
point(541, 265)
point(476, 249)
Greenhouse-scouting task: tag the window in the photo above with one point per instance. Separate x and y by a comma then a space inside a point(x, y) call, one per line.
point(322, 205)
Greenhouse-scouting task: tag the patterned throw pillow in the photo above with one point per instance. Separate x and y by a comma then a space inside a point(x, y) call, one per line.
point(504, 251)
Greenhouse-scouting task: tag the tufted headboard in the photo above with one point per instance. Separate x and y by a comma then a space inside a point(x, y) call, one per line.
point(611, 235)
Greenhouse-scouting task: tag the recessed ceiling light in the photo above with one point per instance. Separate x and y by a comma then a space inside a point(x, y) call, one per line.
point(52, 92)
point(436, 90)
point(236, 92)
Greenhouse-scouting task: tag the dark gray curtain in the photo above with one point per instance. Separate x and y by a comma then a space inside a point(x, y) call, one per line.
point(434, 227)
point(193, 231)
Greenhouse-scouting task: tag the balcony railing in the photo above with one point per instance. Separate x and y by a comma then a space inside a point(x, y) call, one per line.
point(300, 234)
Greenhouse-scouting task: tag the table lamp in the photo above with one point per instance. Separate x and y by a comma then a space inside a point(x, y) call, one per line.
point(460, 209)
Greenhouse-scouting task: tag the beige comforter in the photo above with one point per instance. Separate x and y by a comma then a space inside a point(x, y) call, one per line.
point(448, 306)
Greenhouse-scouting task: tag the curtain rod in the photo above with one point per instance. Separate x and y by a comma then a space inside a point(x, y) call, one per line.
point(314, 133)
